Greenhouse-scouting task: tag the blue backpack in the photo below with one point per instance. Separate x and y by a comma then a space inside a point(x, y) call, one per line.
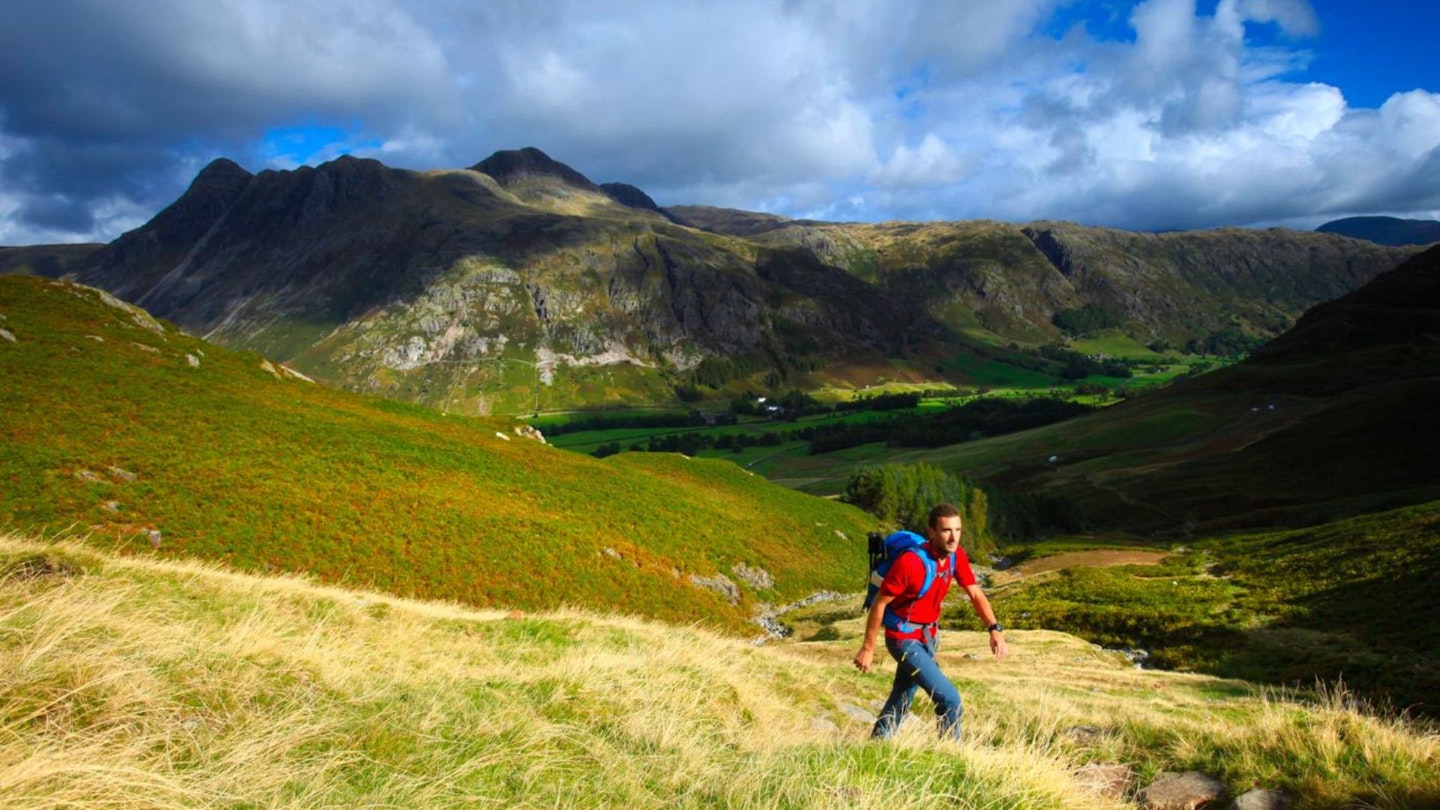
point(884, 551)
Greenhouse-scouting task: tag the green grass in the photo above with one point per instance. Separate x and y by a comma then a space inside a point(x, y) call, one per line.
point(1115, 344)
point(993, 373)
point(106, 427)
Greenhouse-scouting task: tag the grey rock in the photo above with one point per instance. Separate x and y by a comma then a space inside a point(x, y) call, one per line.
point(858, 714)
point(823, 725)
point(757, 578)
point(1081, 735)
point(1261, 799)
point(720, 584)
point(1191, 790)
point(1105, 779)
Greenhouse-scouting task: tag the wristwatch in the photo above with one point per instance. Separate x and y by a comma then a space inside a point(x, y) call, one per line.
point(995, 628)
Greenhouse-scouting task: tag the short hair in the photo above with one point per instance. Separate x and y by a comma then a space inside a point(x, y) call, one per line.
point(943, 510)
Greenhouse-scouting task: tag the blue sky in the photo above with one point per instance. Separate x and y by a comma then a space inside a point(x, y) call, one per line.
point(1160, 114)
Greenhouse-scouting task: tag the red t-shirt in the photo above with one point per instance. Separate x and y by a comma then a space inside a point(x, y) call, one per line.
point(907, 575)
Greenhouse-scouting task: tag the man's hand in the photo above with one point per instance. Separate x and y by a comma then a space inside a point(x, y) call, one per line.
point(864, 659)
point(997, 645)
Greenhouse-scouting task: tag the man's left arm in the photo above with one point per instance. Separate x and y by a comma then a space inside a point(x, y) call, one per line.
point(987, 615)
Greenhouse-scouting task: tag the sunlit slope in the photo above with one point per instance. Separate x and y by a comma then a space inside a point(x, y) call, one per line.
point(138, 683)
point(119, 424)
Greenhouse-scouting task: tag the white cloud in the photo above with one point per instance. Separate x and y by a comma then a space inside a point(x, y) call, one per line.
point(856, 108)
point(929, 163)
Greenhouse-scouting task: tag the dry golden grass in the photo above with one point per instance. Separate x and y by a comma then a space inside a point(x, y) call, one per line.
point(132, 683)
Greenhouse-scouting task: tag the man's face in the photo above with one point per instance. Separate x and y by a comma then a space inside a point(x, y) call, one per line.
point(945, 534)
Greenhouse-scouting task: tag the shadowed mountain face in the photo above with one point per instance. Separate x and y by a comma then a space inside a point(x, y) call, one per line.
point(1333, 418)
point(519, 281)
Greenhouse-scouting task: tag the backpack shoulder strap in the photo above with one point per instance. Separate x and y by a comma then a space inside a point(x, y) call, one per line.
point(930, 569)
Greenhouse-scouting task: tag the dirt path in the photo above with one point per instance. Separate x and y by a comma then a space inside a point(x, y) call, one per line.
point(1100, 558)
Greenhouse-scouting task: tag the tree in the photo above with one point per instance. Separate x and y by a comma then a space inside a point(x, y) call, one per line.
point(901, 495)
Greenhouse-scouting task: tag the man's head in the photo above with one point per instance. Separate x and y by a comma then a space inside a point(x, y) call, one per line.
point(945, 528)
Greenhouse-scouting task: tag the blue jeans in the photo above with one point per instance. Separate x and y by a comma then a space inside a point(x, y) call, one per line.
point(916, 667)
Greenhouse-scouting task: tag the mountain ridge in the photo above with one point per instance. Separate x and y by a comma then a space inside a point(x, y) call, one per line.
point(453, 287)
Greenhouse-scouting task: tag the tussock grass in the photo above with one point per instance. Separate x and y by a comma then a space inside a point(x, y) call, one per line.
point(137, 683)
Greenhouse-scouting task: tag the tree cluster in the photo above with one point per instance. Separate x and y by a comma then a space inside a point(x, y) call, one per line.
point(1086, 320)
point(693, 418)
point(901, 496)
point(978, 419)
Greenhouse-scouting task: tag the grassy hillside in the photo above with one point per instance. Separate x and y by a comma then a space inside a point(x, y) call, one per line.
point(117, 425)
point(128, 682)
point(1352, 600)
point(1331, 419)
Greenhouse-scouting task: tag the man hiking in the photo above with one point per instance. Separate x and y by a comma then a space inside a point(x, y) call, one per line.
point(909, 619)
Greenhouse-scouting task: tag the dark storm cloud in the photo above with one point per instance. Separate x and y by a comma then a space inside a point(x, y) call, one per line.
point(111, 105)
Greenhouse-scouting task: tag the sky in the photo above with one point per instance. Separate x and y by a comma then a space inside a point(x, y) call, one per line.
point(1152, 115)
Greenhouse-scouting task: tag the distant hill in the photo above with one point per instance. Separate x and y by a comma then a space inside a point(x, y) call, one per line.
point(1015, 281)
point(45, 260)
point(1331, 419)
point(1386, 230)
point(115, 425)
point(519, 284)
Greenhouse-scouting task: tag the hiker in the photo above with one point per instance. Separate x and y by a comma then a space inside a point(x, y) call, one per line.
point(909, 619)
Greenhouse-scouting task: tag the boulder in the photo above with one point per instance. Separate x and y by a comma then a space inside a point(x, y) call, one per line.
point(1181, 791)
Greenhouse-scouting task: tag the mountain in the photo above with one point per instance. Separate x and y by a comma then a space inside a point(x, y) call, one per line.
point(1386, 230)
point(1331, 419)
point(520, 284)
point(45, 260)
point(461, 289)
point(121, 428)
point(1010, 282)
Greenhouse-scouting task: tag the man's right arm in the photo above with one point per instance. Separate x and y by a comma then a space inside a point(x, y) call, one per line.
point(866, 656)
